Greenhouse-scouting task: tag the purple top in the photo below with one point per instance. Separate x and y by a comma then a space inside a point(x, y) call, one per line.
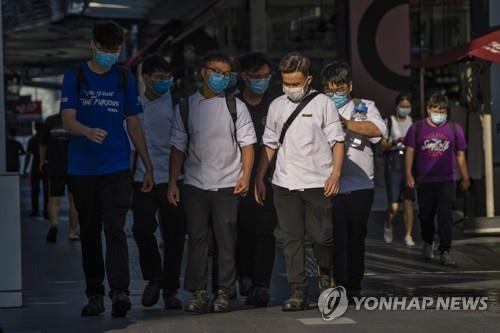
point(435, 151)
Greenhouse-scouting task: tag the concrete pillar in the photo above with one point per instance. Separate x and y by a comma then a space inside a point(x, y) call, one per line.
point(258, 26)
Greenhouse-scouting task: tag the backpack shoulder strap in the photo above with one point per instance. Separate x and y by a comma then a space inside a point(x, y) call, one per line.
point(231, 106)
point(123, 83)
point(184, 110)
point(80, 78)
point(389, 126)
point(295, 113)
point(418, 128)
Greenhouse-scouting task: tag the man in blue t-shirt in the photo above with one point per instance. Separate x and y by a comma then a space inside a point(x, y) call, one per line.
point(97, 96)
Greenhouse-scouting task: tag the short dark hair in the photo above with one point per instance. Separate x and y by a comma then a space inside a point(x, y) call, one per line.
point(295, 62)
point(438, 100)
point(217, 56)
point(404, 96)
point(155, 62)
point(108, 33)
point(12, 131)
point(253, 62)
point(38, 126)
point(337, 72)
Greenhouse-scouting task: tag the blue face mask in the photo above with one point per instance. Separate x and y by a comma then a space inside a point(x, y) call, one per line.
point(259, 86)
point(161, 87)
point(438, 118)
point(106, 60)
point(233, 80)
point(339, 98)
point(404, 112)
point(217, 82)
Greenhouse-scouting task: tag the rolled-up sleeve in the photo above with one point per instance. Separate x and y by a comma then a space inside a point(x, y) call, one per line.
point(245, 132)
point(375, 118)
point(332, 126)
point(178, 136)
point(271, 136)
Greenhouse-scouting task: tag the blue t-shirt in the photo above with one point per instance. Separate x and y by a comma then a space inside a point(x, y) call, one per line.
point(100, 104)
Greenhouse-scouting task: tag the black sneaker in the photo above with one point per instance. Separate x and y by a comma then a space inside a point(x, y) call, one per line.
point(258, 297)
point(95, 306)
point(171, 300)
point(297, 302)
point(151, 293)
point(121, 304)
point(199, 303)
point(244, 283)
point(221, 302)
point(52, 235)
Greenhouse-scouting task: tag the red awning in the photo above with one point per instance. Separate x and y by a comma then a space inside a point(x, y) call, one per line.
point(486, 48)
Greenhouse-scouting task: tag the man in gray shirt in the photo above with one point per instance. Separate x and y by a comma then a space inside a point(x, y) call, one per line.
point(351, 208)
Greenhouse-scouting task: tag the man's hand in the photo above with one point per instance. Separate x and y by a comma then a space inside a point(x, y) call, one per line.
point(173, 194)
point(96, 135)
point(410, 181)
point(41, 167)
point(345, 122)
point(241, 187)
point(332, 186)
point(148, 183)
point(465, 184)
point(260, 191)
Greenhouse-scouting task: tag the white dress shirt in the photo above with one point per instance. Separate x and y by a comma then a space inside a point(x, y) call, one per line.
point(156, 121)
point(305, 159)
point(214, 157)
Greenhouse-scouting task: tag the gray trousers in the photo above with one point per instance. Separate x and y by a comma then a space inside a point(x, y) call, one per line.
point(222, 207)
point(301, 212)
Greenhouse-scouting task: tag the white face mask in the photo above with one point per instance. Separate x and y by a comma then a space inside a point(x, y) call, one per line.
point(295, 94)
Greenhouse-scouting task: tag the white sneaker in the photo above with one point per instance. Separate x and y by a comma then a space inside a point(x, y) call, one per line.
point(388, 236)
point(428, 250)
point(409, 241)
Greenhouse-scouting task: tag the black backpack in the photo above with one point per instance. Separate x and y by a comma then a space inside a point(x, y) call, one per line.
point(184, 111)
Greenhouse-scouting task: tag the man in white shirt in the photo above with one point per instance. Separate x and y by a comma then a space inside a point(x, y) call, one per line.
point(310, 152)
point(156, 121)
point(216, 135)
point(351, 208)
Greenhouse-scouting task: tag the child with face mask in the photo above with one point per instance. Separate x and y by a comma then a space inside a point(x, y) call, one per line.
point(435, 147)
point(212, 137)
point(397, 191)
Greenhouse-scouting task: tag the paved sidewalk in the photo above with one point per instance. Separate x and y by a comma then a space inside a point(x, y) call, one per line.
point(53, 291)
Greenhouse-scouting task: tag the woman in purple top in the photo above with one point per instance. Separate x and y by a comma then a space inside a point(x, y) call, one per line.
point(436, 146)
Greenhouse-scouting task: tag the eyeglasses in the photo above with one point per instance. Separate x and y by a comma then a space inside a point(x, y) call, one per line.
point(341, 89)
point(227, 75)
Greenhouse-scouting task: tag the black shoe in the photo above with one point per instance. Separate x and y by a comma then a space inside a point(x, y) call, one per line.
point(95, 306)
point(151, 293)
point(221, 302)
point(121, 304)
point(52, 235)
point(244, 284)
point(199, 302)
point(171, 301)
point(34, 215)
point(258, 297)
point(297, 302)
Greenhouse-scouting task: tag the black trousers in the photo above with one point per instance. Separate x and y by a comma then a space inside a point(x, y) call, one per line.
point(256, 244)
point(36, 178)
point(300, 212)
point(350, 218)
point(102, 202)
point(173, 231)
point(220, 208)
point(437, 198)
